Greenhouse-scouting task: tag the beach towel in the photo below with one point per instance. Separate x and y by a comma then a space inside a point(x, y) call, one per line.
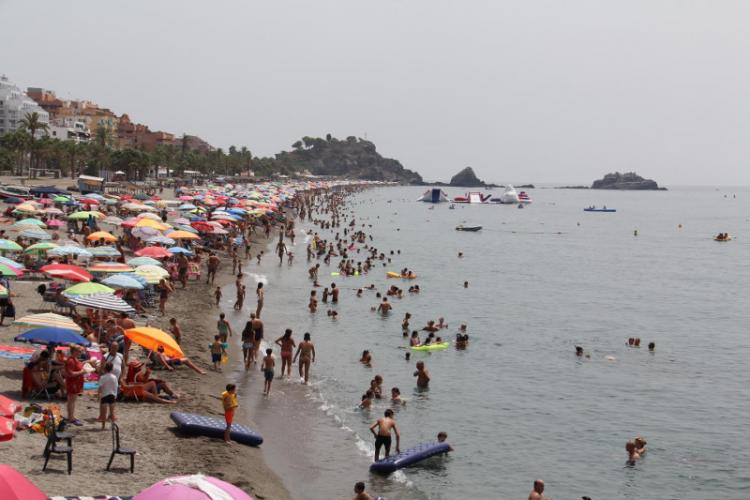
point(198, 482)
point(13, 352)
point(98, 497)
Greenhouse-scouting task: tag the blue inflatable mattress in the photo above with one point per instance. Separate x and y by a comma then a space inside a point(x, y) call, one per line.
point(198, 425)
point(409, 457)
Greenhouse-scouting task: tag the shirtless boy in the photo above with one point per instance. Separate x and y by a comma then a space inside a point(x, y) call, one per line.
point(383, 435)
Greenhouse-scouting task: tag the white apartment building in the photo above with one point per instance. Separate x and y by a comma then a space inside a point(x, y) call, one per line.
point(14, 104)
point(69, 129)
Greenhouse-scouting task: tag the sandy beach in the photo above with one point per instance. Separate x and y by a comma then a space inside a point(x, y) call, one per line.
point(146, 427)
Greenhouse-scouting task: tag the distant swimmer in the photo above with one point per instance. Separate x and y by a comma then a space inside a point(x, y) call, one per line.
point(366, 358)
point(414, 340)
point(640, 445)
point(579, 351)
point(383, 435)
point(651, 346)
point(441, 437)
point(466, 284)
point(367, 398)
point(384, 306)
point(460, 254)
point(430, 327)
point(360, 493)
point(313, 304)
point(633, 454)
point(441, 323)
point(538, 492)
point(396, 396)
point(423, 376)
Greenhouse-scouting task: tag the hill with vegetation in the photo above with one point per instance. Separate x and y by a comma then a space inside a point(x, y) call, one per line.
point(352, 158)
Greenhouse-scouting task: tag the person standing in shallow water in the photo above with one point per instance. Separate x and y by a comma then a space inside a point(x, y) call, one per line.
point(287, 344)
point(261, 295)
point(306, 354)
point(538, 492)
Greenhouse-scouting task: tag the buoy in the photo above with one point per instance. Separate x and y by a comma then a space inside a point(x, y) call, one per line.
point(635, 233)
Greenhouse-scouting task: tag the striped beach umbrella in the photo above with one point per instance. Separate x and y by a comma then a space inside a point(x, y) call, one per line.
point(152, 274)
point(48, 319)
point(30, 222)
point(103, 301)
point(6, 270)
point(70, 250)
point(11, 262)
point(84, 214)
point(35, 234)
point(104, 251)
point(143, 261)
point(160, 239)
point(110, 267)
point(42, 246)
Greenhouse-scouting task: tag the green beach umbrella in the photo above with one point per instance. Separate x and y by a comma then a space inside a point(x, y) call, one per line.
point(10, 246)
point(30, 222)
point(87, 289)
point(42, 246)
point(61, 199)
point(6, 270)
point(84, 214)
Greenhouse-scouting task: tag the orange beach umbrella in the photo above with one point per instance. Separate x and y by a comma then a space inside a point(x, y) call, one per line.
point(151, 338)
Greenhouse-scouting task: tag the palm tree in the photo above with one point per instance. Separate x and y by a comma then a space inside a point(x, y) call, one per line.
point(32, 123)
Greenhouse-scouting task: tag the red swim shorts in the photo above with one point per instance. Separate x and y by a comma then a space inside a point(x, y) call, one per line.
point(229, 416)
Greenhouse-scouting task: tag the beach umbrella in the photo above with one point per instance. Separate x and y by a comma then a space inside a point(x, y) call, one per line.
point(181, 220)
point(6, 270)
point(87, 289)
point(151, 338)
point(84, 214)
point(152, 274)
point(182, 235)
point(15, 486)
point(154, 252)
point(195, 487)
point(70, 250)
point(102, 235)
point(110, 267)
point(186, 206)
point(125, 280)
point(48, 319)
point(189, 229)
point(52, 335)
point(145, 232)
point(143, 261)
point(26, 207)
point(151, 216)
point(61, 199)
point(12, 200)
point(138, 207)
point(35, 234)
point(11, 262)
point(30, 222)
point(104, 252)
point(112, 220)
point(151, 223)
point(178, 250)
point(104, 301)
point(185, 197)
point(88, 201)
point(67, 272)
point(160, 239)
point(53, 211)
point(54, 223)
point(7, 429)
point(9, 407)
point(10, 246)
point(42, 246)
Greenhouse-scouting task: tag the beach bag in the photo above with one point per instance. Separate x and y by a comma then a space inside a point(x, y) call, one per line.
point(10, 310)
point(224, 358)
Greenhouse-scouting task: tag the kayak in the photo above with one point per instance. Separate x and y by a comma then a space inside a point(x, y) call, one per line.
point(391, 274)
point(468, 228)
point(431, 347)
point(728, 238)
point(599, 210)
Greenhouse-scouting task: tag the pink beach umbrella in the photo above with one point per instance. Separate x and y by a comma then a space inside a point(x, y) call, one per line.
point(196, 487)
point(15, 486)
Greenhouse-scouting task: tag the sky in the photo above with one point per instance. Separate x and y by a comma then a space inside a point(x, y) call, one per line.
point(523, 91)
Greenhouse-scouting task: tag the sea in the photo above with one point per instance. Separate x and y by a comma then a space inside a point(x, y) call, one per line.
point(518, 404)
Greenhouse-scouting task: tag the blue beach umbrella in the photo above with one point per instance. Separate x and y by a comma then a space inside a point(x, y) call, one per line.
point(176, 250)
point(12, 200)
point(120, 281)
point(52, 336)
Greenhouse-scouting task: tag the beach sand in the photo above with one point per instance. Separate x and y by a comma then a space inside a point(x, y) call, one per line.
point(145, 427)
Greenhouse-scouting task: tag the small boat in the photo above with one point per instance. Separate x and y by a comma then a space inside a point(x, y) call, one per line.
point(391, 274)
point(523, 197)
point(602, 209)
point(728, 237)
point(468, 228)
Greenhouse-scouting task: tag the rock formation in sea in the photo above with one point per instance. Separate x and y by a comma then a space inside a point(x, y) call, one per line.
point(466, 178)
point(628, 180)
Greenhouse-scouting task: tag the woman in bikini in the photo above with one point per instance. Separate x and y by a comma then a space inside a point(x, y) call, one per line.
point(287, 344)
point(306, 353)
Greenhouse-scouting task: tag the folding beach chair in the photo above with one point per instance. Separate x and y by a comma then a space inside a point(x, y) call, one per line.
point(119, 450)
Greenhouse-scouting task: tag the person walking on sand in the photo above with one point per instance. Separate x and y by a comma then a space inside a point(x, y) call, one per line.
point(267, 366)
point(217, 351)
point(240, 298)
point(107, 394)
point(217, 295)
point(306, 354)
point(260, 293)
point(287, 344)
point(229, 400)
point(383, 435)
point(165, 289)
point(213, 266)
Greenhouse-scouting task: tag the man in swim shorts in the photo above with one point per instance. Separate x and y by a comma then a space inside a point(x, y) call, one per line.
point(383, 435)
point(247, 341)
point(268, 364)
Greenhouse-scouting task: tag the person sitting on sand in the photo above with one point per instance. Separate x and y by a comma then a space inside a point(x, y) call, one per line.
point(143, 392)
point(633, 454)
point(161, 360)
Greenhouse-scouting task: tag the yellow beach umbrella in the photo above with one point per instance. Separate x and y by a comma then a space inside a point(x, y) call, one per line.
point(151, 223)
point(101, 235)
point(151, 338)
point(183, 235)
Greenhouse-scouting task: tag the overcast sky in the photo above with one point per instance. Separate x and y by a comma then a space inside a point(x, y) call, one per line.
point(523, 91)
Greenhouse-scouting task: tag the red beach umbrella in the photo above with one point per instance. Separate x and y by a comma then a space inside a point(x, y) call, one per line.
point(153, 252)
point(67, 272)
point(8, 407)
point(15, 486)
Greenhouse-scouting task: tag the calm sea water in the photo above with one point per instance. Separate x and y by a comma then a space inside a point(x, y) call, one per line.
point(517, 404)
